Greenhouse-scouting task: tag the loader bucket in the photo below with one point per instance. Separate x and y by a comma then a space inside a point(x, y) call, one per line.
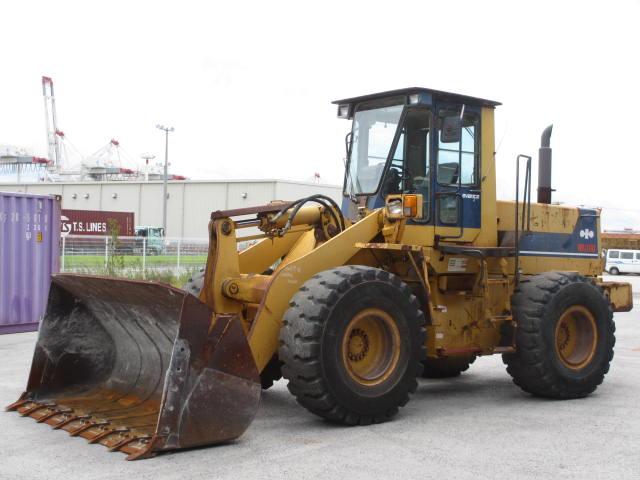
point(139, 367)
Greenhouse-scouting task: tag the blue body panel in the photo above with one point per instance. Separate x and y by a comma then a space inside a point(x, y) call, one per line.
point(581, 243)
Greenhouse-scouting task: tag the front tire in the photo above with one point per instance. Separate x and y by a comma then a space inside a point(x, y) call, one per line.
point(614, 271)
point(564, 337)
point(351, 345)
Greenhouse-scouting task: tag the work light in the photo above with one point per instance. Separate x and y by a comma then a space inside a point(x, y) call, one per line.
point(343, 111)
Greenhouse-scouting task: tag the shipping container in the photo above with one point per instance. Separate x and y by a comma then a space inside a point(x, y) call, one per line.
point(95, 222)
point(29, 254)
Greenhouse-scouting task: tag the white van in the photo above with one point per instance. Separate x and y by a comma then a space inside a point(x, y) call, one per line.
point(622, 261)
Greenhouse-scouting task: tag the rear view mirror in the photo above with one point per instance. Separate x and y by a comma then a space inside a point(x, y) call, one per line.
point(451, 129)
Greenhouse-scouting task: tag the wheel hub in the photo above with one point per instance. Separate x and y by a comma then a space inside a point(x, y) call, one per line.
point(576, 337)
point(358, 345)
point(371, 346)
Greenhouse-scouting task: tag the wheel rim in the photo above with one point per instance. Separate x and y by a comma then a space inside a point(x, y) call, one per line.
point(576, 337)
point(371, 346)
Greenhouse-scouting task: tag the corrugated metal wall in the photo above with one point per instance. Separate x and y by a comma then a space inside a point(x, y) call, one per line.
point(29, 254)
point(189, 205)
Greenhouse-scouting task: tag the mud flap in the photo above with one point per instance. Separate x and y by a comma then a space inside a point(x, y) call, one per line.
point(139, 367)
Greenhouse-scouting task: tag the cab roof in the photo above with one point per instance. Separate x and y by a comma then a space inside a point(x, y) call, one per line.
point(438, 94)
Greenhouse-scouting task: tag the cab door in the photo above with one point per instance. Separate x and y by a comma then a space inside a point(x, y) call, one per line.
point(412, 161)
point(456, 183)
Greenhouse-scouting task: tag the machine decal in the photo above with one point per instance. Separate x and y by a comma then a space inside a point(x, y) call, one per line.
point(586, 234)
point(457, 265)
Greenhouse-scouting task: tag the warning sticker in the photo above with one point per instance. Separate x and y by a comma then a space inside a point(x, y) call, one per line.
point(457, 265)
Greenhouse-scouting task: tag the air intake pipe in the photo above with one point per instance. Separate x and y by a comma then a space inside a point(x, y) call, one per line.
point(544, 167)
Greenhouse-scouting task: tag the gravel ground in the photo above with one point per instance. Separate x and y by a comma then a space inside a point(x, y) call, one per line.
point(476, 426)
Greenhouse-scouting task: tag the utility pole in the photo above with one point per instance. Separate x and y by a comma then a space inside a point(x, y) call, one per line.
point(166, 131)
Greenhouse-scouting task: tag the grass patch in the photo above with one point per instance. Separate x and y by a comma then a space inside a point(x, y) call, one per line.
point(159, 268)
point(133, 261)
point(177, 279)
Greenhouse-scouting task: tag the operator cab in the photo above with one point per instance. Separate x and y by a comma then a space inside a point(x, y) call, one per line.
point(415, 141)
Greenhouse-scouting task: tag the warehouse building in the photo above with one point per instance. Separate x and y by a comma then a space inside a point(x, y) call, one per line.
point(189, 203)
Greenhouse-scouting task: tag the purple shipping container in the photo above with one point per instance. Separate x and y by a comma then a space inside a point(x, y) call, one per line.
point(29, 254)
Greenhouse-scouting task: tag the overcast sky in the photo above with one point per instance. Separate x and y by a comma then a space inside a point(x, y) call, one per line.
point(248, 85)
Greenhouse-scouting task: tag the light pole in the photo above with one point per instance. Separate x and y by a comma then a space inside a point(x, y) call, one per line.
point(166, 131)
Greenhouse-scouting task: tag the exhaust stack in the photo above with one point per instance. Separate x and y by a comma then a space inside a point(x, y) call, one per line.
point(544, 167)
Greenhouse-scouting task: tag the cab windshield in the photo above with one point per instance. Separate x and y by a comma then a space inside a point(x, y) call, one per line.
point(374, 127)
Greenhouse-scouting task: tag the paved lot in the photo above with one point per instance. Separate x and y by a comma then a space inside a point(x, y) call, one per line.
point(476, 426)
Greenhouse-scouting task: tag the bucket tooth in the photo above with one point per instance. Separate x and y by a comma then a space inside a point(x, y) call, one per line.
point(107, 433)
point(28, 407)
point(122, 443)
point(111, 440)
point(38, 406)
point(139, 367)
point(138, 452)
point(60, 419)
point(94, 431)
point(17, 404)
point(52, 414)
point(79, 430)
point(69, 420)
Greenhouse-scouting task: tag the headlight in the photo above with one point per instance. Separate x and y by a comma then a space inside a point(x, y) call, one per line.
point(343, 111)
point(394, 207)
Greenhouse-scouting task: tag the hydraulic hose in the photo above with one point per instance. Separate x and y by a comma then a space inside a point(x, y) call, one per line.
point(323, 200)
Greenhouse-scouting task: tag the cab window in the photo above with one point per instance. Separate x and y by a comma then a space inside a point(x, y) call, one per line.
point(614, 254)
point(458, 162)
point(374, 128)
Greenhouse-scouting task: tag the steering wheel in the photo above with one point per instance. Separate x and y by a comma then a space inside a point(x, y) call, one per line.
point(403, 175)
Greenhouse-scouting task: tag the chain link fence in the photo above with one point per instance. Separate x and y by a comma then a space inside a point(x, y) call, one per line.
point(172, 260)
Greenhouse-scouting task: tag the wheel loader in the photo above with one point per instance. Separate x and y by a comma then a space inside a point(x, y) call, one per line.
point(419, 272)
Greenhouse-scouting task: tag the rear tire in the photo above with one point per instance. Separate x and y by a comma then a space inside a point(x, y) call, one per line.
point(614, 271)
point(271, 372)
point(564, 338)
point(351, 345)
point(446, 367)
